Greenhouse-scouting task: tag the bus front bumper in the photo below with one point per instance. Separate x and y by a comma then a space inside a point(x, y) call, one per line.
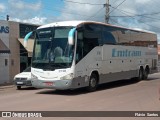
point(52, 84)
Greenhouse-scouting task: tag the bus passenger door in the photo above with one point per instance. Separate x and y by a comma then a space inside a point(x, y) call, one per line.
point(80, 54)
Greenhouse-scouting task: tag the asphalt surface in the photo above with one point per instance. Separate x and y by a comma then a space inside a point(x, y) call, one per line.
point(124, 95)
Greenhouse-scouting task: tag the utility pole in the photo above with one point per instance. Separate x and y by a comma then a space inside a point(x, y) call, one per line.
point(107, 11)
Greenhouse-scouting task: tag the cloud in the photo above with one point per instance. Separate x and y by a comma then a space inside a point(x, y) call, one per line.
point(21, 5)
point(73, 11)
point(35, 20)
point(2, 8)
point(142, 1)
point(138, 7)
point(35, 7)
point(22, 10)
point(26, 12)
point(83, 11)
point(31, 12)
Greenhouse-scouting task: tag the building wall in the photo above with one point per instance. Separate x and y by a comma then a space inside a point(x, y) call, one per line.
point(9, 34)
point(14, 59)
point(4, 68)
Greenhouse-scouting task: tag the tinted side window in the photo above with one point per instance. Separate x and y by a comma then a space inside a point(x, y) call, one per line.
point(93, 33)
point(80, 46)
point(108, 38)
point(143, 39)
point(108, 35)
point(124, 36)
point(87, 39)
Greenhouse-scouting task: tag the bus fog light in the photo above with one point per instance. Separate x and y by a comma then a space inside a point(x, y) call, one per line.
point(67, 77)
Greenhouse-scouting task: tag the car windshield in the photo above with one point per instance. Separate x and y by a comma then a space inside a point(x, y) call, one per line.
point(51, 49)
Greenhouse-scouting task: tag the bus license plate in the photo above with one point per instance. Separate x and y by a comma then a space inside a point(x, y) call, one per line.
point(49, 83)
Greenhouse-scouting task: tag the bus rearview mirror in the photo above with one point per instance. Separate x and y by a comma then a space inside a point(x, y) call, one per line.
point(26, 38)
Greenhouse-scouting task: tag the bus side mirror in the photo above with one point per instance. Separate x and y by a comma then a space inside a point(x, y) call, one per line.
point(71, 36)
point(26, 38)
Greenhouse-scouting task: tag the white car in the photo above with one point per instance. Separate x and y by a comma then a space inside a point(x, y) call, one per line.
point(23, 78)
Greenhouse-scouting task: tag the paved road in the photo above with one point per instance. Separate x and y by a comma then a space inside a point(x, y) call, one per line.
point(124, 95)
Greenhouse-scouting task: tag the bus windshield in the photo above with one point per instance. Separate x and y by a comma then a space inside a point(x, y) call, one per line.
point(51, 49)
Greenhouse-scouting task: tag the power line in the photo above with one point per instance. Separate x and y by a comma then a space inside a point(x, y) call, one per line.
point(140, 15)
point(115, 22)
point(77, 14)
point(117, 6)
point(139, 20)
point(109, 12)
point(81, 2)
point(145, 15)
point(55, 10)
point(95, 13)
point(64, 11)
point(114, 2)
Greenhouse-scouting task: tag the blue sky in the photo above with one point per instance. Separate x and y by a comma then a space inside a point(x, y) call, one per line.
point(28, 9)
point(141, 14)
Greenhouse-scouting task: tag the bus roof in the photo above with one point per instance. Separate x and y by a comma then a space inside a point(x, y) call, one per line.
point(76, 23)
point(63, 23)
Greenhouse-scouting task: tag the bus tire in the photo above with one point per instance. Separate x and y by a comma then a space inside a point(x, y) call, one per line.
point(18, 87)
point(145, 74)
point(93, 82)
point(141, 74)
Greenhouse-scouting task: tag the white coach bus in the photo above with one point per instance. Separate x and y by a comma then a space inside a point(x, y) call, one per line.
point(75, 54)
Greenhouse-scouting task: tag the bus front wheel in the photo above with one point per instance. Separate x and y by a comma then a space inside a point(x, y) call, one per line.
point(93, 82)
point(140, 77)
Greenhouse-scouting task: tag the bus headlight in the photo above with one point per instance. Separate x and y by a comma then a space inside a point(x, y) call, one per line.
point(67, 77)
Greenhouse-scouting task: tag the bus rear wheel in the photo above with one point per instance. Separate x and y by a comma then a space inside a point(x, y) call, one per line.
point(93, 82)
point(145, 74)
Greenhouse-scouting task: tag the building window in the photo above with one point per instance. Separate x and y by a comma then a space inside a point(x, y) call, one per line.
point(12, 62)
point(6, 62)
